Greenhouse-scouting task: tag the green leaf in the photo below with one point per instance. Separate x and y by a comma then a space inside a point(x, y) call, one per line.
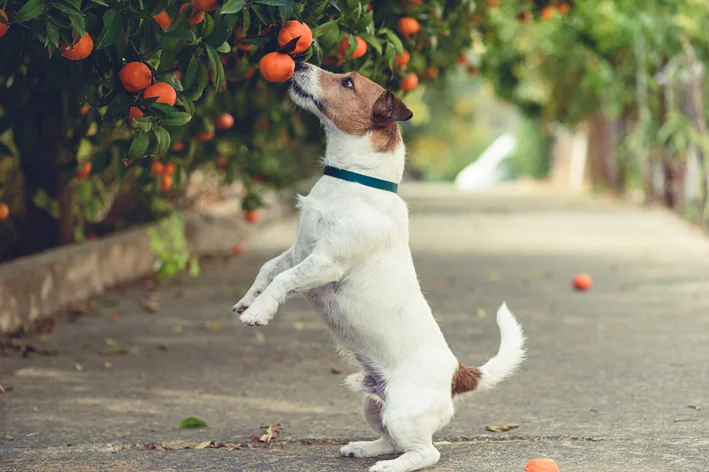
point(194, 267)
point(233, 6)
point(262, 13)
point(172, 80)
point(181, 34)
point(144, 124)
point(101, 160)
point(67, 8)
point(323, 28)
point(246, 22)
point(191, 73)
point(224, 48)
point(78, 23)
point(52, 34)
point(207, 26)
point(372, 41)
point(100, 2)
point(112, 27)
point(163, 108)
point(274, 3)
point(163, 139)
point(394, 39)
point(215, 66)
point(192, 422)
point(29, 11)
point(222, 30)
point(318, 52)
point(139, 145)
point(178, 118)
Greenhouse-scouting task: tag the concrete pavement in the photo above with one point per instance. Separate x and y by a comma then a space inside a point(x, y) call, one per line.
point(617, 378)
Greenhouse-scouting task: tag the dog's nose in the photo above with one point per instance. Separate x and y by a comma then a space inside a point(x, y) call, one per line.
point(300, 65)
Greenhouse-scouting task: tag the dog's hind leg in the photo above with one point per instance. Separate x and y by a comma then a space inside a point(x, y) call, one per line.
point(384, 445)
point(411, 421)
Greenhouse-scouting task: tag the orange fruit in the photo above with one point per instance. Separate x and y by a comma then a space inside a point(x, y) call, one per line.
point(564, 8)
point(431, 72)
point(203, 136)
point(84, 171)
point(541, 465)
point(276, 67)
point(582, 282)
point(205, 5)
point(157, 168)
point(221, 161)
point(177, 74)
point(224, 121)
point(292, 30)
point(408, 26)
point(84, 110)
point(165, 183)
point(134, 113)
point(3, 26)
point(251, 216)
point(135, 76)
point(196, 17)
point(492, 4)
point(249, 72)
point(472, 71)
point(244, 47)
point(164, 92)
point(370, 7)
point(462, 60)
point(403, 59)
point(409, 83)
point(178, 146)
point(4, 209)
point(170, 168)
point(547, 13)
point(163, 19)
point(415, 2)
point(359, 51)
point(80, 50)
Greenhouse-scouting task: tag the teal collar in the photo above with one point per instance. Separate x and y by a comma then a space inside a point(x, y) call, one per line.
point(362, 179)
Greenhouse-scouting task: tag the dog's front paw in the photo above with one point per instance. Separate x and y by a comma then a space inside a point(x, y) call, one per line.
point(259, 313)
point(245, 302)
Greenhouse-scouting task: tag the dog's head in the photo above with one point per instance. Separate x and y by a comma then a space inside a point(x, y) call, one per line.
point(350, 103)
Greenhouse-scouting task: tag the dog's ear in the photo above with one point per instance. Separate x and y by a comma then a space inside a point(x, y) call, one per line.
point(388, 108)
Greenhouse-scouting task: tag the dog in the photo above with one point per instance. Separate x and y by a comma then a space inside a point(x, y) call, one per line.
point(351, 259)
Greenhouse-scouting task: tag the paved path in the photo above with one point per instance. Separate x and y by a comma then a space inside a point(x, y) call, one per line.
point(617, 379)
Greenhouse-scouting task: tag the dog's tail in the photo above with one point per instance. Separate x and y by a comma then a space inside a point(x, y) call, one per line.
point(505, 363)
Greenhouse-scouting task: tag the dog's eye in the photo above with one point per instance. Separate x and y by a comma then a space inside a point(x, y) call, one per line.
point(347, 82)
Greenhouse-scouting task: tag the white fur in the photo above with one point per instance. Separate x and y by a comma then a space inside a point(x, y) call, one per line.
point(351, 259)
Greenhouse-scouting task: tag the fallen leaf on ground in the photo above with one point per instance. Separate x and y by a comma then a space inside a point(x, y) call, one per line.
point(178, 329)
point(115, 351)
point(115, 317)
point(253, 440)
point(79, 308)
point(693, 407)
point(107, 365)
point(502, 429)
point(80, 367)
point(441, 443)
point(212, 326)
point(298, 326)
point(271, 433)
point(162, 347)
point(203, 445)
point(112, 342)
point(192, 422)
point(2, 390)
point(481, 313)
point(259, 336)
point(8, 437)
point(151, 306)
point(335, 371)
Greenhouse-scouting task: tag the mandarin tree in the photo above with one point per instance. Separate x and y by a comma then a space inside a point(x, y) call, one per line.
point(122, 84)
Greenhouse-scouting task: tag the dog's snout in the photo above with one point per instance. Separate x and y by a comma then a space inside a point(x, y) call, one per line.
point(300, 65)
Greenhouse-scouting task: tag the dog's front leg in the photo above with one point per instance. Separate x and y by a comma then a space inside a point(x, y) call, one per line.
point(265, 276)
point(316, 270)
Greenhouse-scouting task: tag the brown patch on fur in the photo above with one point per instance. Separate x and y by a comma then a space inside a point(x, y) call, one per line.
point(465, 379)
point(366, 107)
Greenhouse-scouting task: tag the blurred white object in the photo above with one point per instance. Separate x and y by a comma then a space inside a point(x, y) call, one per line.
point(487, 170)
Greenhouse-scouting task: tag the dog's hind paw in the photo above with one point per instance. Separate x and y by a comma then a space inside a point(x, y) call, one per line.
point(360, 449)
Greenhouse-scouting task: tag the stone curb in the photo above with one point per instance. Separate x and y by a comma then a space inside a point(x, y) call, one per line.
point(45, 284)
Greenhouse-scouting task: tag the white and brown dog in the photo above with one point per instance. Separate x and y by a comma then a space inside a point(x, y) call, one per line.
point(351, 258)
